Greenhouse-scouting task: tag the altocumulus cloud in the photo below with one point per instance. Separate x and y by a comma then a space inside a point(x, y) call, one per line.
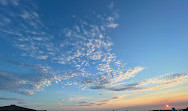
point(83, 52)
point(164, 81)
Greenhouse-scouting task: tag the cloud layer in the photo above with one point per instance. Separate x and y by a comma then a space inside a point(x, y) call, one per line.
point(164, 81)
point(17, 100)
point(81, 101)
point(80, 55)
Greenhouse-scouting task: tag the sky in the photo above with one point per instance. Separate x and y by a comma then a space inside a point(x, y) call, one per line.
point(94, 55)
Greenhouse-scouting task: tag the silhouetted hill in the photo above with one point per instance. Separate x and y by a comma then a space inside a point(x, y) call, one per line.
point(172, 110)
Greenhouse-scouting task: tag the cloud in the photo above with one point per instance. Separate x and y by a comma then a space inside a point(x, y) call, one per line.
point(102, 102)
point(111, 99)
point(97, 87)
point(4, 2)
point(85, 46)
point(109, 81)
point(82, 52)
point(18, 100)
point(14, 99)
point(79, 100)
point(72, 99)
point(26, 15)
point(31, 41)
point(42, 57)
point(163, 81)
point(83, 102)
point(112, 25)
point(9, 2)
point(129, 87)
point(23, 82)
point(86, 104)
point(111, 5)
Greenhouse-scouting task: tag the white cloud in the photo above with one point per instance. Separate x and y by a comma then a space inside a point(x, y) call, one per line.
point(84, 48)
point(42, 83)
point(77, 28)
point(68, 34)
point(128, 74)
point(110, 19)
point(83, 53)
point(25, 15)
point(163, 81)
point(42, 57)
point(112, 25)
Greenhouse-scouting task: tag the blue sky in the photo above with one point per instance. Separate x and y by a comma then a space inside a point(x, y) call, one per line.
point(87, 55)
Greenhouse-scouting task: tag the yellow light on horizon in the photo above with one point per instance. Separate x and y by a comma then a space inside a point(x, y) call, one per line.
point(167, 105)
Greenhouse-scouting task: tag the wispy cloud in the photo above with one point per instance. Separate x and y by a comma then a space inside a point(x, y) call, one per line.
point(83, 101)
point(111, 5)
point(155, 83)
point(108, 81)
point(22, 82)
point(8, 2)
point(3, 2)
point(18, 100)
point(102, 102)
point(72, 99)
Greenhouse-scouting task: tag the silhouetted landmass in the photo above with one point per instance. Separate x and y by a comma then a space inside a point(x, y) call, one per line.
point(16, 108)
point(172, 110)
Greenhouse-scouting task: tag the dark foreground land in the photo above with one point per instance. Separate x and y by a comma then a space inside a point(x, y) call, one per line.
point(173, 110)
point(16, 108)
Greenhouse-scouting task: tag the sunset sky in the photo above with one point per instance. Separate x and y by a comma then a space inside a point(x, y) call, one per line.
point(75, 55)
